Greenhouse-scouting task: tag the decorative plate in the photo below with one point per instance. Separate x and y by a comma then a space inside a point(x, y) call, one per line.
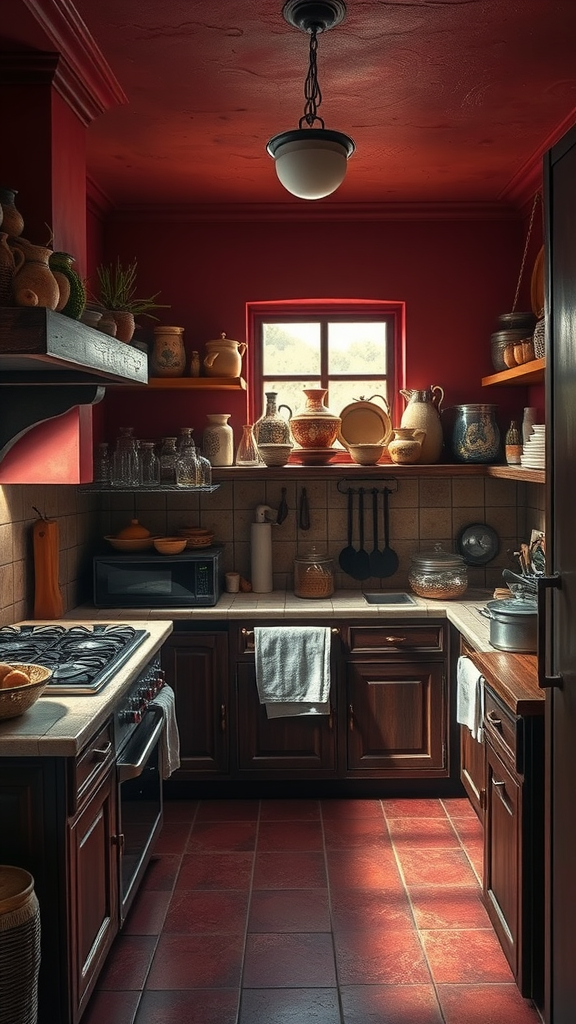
point(314, 456)
point(364, 423)
point(477, 543)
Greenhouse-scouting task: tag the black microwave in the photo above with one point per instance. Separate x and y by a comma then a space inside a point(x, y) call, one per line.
point(192, 579)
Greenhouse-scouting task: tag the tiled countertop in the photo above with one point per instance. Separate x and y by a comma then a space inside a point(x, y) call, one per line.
point(59, 726)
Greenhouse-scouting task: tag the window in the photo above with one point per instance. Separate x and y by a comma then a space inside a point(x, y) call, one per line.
point(352, 349)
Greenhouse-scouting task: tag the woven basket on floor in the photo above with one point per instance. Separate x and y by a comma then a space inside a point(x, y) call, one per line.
point(19, 947)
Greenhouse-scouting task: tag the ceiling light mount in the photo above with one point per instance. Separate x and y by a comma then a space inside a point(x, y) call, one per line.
point(311, 161)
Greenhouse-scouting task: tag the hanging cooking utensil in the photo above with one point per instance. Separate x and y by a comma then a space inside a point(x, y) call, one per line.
point(304, 521)
point(347, 556)
point(361, 562)
point(378, 561)
point(389, 556)
point(282, 507)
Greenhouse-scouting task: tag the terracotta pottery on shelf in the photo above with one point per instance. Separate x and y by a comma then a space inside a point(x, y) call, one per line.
point(168, 356)
point(406, 446)
point(125, 325)
point(12, 220)
point(72, 291)
point(34, 283)
point(316, 426)
point(10, 261)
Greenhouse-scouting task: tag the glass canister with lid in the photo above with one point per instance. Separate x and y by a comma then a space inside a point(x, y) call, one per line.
point(313, 575)
point(438, 574)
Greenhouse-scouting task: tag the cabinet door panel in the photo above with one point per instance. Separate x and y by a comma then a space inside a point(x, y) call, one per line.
point(196, 667)
point(396, 717)
point(472, 770)
point(299, 744)
point(502, 835)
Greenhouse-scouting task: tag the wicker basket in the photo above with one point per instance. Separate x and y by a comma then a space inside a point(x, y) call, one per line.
point(19, 947)
point(15, 700)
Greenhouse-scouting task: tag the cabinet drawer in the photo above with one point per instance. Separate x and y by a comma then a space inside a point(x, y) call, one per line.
point(91, 765)
point(367, 639)
point(504, 729)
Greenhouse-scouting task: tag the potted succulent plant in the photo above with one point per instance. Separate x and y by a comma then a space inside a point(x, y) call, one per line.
point(117, 295)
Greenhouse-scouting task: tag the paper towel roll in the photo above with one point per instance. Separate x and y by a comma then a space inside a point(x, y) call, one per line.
point(261, 557)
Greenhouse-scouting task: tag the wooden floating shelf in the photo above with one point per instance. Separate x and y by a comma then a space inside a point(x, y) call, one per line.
point(529, 476)
point(193, 384)
point(527, 373)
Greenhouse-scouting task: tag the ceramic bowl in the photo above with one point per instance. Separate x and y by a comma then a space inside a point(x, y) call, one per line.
point(129, 544)
point(275, 454)
point(366, 454)
point(170, 545)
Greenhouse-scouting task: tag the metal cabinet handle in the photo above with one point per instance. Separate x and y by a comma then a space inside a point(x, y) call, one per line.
point(247, 632)
point(395, 639)
point(545, 583)
point(223, 718)
point(500, 790)
point(491, 716)
point(101, 753)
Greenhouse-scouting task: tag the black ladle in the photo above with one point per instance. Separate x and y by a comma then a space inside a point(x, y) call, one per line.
point(378, 559)
point(347, 556)
point(390, 558)
point(361, 563)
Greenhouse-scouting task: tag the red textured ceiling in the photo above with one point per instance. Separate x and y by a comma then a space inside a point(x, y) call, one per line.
point(446, 101)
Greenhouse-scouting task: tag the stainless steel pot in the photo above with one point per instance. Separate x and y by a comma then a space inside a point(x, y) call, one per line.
point(513, 624)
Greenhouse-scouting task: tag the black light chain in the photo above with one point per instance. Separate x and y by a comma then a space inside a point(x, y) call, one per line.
point(312, 93)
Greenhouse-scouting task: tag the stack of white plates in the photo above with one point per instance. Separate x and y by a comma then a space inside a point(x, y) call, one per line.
point(534, 452)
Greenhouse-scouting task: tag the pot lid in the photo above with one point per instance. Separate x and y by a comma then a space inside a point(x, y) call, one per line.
point(513, 606)
point(438, 559)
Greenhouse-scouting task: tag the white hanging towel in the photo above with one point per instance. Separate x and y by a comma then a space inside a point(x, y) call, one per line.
point(470, 697)
point(169, 748)
point(293, 669)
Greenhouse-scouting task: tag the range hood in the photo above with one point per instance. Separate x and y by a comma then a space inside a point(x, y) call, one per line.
point(51, 364)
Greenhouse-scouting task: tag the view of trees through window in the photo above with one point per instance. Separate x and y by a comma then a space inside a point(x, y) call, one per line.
point(351, 358)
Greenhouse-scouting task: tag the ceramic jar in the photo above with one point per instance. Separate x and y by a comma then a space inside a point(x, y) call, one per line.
point(406, 446)
point(475, 435)
point(218, 440)
point(12, 220)
point(10, 261)
point(272, 428)
point(224, 357)
point(34, 283)
point(125, 325)
point(72, 291)
point(423, 412)
point(313, 575)
point(315, 426)
point(168, 356)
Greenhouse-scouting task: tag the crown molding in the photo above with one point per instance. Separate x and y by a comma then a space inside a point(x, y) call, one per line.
point(312, 212)
point(529, 178)
point(83, 77)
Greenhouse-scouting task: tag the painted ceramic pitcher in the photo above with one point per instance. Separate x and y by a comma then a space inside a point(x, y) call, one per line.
point(423, 412)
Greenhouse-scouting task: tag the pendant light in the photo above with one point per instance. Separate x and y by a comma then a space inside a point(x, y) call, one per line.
point(311, 162)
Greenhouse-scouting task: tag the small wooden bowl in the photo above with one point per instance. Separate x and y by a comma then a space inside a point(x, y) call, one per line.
point(169, 545)
point(15, 700)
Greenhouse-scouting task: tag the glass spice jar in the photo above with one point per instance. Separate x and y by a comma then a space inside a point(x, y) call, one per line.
point(313, 575)
point(438, 574)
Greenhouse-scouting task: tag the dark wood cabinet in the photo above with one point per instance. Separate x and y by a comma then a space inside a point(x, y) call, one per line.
point(473, 770)
point(196, 667)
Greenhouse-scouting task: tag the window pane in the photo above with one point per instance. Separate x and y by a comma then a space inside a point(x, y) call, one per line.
point(342, 393)
point(356, 348)
point(289, 393)
point(290, 348)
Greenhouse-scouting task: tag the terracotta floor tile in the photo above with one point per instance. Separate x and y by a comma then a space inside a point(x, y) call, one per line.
point(162, 872)
point(223, 836)
point(459, 807)
point(148, 911)
point(436, 867)
point(180, 810)
point(390, 1004)
point(290, 835)
point(196, 961)
point(416, 808)
point(465, 956)
point(438, 907)
point(383, 957)
point(345, 809)
point(289, 960)
point(485, 1004)
point(289, 1006)
point(357, 910)
point(173, 838)
point(474, 850)
point(422, 833)
point(228, 810)
point(360, 869)
point(128, 963)
point(289, 910)
point(292, 810)
point(358, 832)
point(215, 871)
point(207, 910)
point(298, 870)
point(112, 1007)
point(201, 1006)
point(468, 828)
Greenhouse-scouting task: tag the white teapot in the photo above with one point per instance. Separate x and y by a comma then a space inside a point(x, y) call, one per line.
point(224, 357)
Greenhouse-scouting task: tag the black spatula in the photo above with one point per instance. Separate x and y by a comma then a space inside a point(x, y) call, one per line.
point(347, 556)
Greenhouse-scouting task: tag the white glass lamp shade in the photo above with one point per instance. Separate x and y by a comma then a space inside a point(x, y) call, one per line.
point(311, 163)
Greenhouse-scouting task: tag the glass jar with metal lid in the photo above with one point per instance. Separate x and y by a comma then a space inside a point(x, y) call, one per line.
point(438, 574)
point(313, 575)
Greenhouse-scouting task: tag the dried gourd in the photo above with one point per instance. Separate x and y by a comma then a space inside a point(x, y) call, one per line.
point(48, 602)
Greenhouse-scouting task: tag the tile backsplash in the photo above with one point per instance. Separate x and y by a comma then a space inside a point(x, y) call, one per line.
point(423, 511)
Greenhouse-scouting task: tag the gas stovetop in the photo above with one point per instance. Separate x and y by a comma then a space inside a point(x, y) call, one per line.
point(82, 658)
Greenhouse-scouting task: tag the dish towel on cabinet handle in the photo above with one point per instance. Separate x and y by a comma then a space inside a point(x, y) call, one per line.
point(293, 669)
point(169, 748)
point(470, 697)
